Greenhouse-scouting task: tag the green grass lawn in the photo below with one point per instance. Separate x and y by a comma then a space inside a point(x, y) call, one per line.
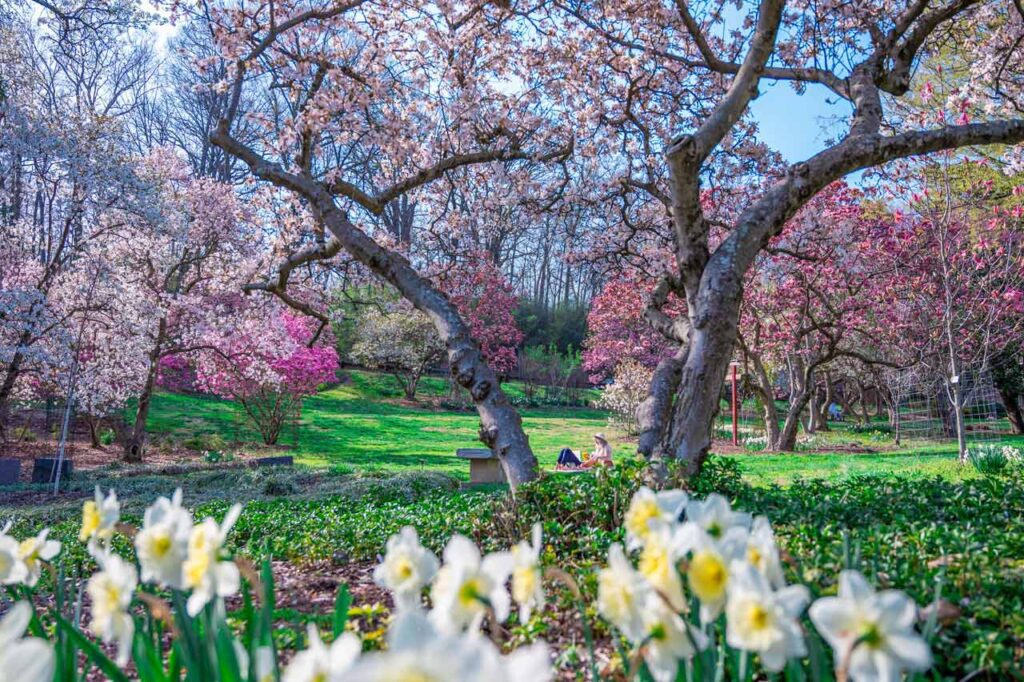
point(363, 426)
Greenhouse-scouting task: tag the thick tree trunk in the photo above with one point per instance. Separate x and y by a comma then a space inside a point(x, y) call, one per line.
point(501, 427)
point(709, 352)
point(801, 386)
point(825, 403)
point(1011, 401)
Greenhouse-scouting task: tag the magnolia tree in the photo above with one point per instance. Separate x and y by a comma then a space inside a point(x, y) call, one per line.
point(267, 360)
point(398, 340)
point(185, 251)
point(62, 167)
point(623, 396)
point(618, 332)
point(662, 108)
point(667, 88)
point(961, 256)
point(486, 301)
point(378, 105)
point(816, 295)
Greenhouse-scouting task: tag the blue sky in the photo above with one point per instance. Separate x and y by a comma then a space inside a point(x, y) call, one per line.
point(797, 126)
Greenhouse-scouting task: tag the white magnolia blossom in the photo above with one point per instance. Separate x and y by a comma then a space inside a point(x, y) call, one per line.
point(707, 571)
point(205, 573)
point(763, 553)
point(670, 639)
point(418, 651)
point(162, 544)
point(647, 506)
point(872, 633)
point(407, 568)
point(110, 591)
point(527, 586)
point(24, 659)
point(33, 552)
point(466, 585)
point(12, 569)
point(715, 515)
point(622, 594)
point(764, 621)
point(322, 663)
point(99, 518)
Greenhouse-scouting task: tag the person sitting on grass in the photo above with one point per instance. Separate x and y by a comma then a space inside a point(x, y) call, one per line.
point(570, 461)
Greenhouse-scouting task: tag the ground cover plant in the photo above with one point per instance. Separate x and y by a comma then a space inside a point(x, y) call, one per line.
point(954, 547)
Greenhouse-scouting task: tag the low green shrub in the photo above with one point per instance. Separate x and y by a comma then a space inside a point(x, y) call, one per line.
point(992, 458)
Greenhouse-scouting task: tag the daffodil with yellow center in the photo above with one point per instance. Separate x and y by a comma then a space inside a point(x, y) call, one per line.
point(90, 520)
point(658, 564)
point(99, 518)
point(708, 576)
point(110, 591)
point(762, 619)
point(524, 583)
point(647, 509)
point(621, 591)
point(406, 569)
point(639, 516)
point(32, 552)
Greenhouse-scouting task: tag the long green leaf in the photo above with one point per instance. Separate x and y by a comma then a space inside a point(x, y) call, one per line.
point(92, 651)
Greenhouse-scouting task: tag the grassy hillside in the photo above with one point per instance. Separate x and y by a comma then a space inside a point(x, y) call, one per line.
point(363, 425)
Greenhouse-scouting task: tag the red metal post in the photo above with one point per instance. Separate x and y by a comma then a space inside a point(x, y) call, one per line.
point(735, 411)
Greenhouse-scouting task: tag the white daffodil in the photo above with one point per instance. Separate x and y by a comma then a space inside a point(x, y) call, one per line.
point(262, 663)
point(669, 639)
point(320, 663)
point(99, 516)
point(622, 594)
point(162, 544)
point(715, 515)
point(417, 651)
point(33, 552)
point(761, 620)
point(466, 585)
point(25, 659)
point(872, 633)
point(659, 561)
point(647, 506)
point(763, 553)
point(407, 568)
point(527, 588)
point(110, 591)
point(205, 573)
point(707, 572)
point(12, 569)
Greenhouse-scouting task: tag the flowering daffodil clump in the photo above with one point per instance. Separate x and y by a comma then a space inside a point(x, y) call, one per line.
point(696, 593)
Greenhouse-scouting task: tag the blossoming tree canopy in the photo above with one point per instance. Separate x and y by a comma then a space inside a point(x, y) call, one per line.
point(268, 359)
point(418, 93)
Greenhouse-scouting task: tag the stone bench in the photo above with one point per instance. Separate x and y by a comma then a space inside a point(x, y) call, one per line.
point(484, 467)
